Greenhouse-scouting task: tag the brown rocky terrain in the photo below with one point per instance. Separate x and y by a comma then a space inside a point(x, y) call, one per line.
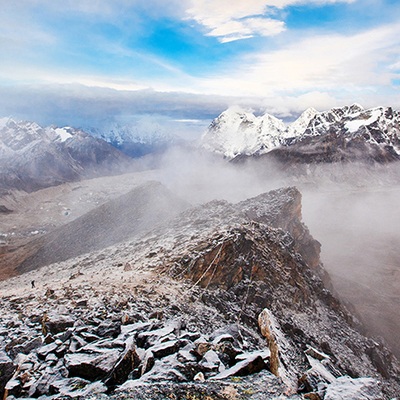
point(214, 304)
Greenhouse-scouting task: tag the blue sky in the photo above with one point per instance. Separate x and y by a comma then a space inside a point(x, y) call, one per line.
point(84, 61)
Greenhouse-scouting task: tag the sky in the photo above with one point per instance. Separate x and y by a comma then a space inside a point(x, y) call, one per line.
point(89, 62)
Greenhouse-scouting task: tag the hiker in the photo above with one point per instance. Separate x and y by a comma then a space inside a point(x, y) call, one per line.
point(33, 284)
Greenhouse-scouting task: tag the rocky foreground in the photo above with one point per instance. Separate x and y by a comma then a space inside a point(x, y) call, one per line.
point(225, 301)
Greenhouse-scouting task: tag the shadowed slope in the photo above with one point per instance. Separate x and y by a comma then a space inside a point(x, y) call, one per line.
point(140, 209)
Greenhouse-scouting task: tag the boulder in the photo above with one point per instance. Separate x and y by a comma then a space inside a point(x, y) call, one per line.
point(77, 388)
point(7, 369)
point(137, 327)
point(108, 329)
point(166, 369)
point(211, 362)
point(192, 336)
point(199, 377)
point(201, 346)
point(225, 337)
point(165, 349)
point(76, 343)
point(321, 372)
point(91, 366)
point(13, 387)
point(127, 362)
point(250, 365)
point(42, 385)
point(227, 353)
point(26, 347)
point(150, 338)
point(45, 350)
point(148, 362)
point(57, 323)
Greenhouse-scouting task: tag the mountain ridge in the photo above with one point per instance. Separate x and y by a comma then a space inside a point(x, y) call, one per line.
point(236, 133)
point(34, 157)
point(223, 290)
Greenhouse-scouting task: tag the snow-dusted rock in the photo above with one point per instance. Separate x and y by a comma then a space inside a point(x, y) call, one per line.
point(7, 367)
point(211, 362)
point(165, 349)
point(345, 387)
point(77, 388)
point(223, 264)
point(249, 365)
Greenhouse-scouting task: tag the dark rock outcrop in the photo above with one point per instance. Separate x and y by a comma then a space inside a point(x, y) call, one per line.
point(7, 369)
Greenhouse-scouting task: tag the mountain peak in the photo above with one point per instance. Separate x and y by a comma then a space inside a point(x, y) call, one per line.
point(237, 132)
point(300, 125)
point(356, 107)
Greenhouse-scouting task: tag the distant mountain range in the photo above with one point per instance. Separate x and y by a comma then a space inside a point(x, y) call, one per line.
point(350, 133)
point(34, 157)
point(136, 140)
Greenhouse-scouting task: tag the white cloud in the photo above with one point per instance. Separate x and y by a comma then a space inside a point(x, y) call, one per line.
point(324, 63)
point(246, 28)
point(286, 3)
point(233, 20)
point(236, 20)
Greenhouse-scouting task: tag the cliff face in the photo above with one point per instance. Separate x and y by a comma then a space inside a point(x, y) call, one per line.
point(226, 301)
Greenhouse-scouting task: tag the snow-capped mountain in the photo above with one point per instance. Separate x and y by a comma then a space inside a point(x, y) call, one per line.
point(378, 126)
point(137, 139)
point(32, 156)
point(237, 131)
point(298, 127)
point(347, 133)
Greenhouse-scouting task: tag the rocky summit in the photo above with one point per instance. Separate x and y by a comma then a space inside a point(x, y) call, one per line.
point(225, 301)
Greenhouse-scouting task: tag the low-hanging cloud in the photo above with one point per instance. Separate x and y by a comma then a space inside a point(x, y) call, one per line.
point(79, 105)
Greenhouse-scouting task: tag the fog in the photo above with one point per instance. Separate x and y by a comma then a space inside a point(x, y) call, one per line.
point(199, 177)
point(352, 210)
point(359, 230)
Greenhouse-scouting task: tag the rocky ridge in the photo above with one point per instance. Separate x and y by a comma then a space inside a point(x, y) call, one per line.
point(226, 301)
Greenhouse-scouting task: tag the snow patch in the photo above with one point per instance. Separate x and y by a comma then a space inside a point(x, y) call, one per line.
point(356, 124)
point(63, 133)
point(344, 388)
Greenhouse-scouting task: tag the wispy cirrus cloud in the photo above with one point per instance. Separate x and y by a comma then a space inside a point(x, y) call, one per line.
point(230, 21)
